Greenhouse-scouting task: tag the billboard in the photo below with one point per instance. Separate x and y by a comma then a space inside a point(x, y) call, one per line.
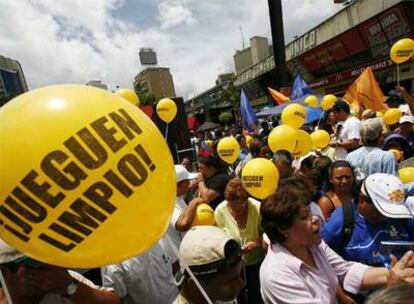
point(147, 56)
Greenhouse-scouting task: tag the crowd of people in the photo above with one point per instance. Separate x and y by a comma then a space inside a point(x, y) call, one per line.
point(320, 238)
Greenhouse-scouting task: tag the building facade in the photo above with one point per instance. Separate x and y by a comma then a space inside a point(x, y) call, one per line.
point(12, 79)
point(97, 84)
point(158, 81)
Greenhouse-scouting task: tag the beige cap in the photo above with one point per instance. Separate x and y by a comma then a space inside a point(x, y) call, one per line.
point(370, 129)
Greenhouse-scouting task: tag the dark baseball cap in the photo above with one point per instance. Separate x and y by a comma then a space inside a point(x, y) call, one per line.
point(341, 105)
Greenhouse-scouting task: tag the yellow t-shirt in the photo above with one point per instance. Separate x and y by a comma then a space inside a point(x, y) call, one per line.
point(226, 221)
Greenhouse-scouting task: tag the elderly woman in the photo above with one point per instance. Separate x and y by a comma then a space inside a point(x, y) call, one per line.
point(299, 267)
point(239, 216)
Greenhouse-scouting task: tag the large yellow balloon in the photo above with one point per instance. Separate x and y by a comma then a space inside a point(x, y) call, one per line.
point(392, 116)
point(86, 179)
point(311, 101)
point(166, 109)
point(402, 50)
point(294, 115)
point(407, 175)
point(282, 138)
point(320, 139)
point(204, 216)
point(328, 101)
point(129, 95)
point(260, 177)
point(303, 144)
point(228, 149)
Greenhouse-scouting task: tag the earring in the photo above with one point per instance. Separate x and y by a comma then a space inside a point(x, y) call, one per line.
point(286, 235)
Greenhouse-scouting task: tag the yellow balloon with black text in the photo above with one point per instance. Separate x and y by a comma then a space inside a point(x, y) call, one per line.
point(166, 110)
point(260, 177)
point(311, 101)
point(204, 216)
point(402, 50)
point(282, 138)
point(129, 95)
point(81, 170)
point(303, 144)
point(407, 175)
point(392, 116)
point(228, 149)
point(328, 101)
point(320, 139)
point(294, 115)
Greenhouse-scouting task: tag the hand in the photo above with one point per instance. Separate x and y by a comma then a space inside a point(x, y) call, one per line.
point(51, 279)
point(197, 201)
point(334, 143)
point(401, 271)
point(249, 247)
point(200, 177)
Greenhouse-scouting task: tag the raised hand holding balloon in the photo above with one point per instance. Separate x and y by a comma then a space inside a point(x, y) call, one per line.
point(81, 169)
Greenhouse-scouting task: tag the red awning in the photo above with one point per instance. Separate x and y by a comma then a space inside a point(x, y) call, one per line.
point(192, 123)
point(147, 110)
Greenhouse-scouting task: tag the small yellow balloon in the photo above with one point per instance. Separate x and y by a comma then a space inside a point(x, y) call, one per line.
point(260, 177)
point(328, 101)
point(166, 109)
point(209, 143)
point(303, 144)
point(407, 175)
point(311, 101)
point(249, 140)
point(320, 139)
point(294, 115)
point(402, 50)
point(380, 114)
point(392, 116)
point(129, 95)
point(204, 216)
point(397, 153)
point(228, 149)
point(86, 167)
point(282, 138)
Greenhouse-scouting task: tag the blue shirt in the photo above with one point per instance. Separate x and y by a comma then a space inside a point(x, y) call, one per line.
point(364, 245)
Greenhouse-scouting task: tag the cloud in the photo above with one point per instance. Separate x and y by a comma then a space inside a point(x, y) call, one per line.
point(173, 12)
point(77, 41)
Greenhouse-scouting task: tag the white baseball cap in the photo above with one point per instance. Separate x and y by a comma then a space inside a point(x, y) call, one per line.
point(182, 173)
point(387, 193)
point(406, 118)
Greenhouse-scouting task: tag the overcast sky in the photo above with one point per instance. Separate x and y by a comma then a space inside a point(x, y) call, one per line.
point(74, 41)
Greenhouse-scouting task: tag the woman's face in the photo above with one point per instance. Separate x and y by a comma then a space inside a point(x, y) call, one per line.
point(206, 171)
point(238, 206)
point(305, 230)
point(342, 178)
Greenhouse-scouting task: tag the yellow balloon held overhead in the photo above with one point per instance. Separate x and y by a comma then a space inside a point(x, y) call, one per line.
point(294, 115)
point(407, 175)
point(402, 50)
point(303, 144)
point(320, 139)
point(166, 109)
point(260, 177)
point(328, 101)
point(80, 169)
point(228, 149)
point(311, 101)
point(392, 116)
point(204, 216)
point(282, 138)
point(129, 95)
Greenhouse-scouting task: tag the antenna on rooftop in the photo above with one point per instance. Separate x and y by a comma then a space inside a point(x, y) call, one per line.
point(242, 37)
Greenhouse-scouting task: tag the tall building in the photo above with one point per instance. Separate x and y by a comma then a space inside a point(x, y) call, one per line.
point(157, 81)
point(258, 51)
point(12, 80)
point(97, 84)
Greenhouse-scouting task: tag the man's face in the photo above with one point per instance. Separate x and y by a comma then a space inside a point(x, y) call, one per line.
point(226, 286)
point(340, 115)
point(183, 187)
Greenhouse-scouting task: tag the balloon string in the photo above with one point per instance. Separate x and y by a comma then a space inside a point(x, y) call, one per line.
point(398, 74)
point(166, 133)
point(185, 266)
point(319, 121)
point(5, 288)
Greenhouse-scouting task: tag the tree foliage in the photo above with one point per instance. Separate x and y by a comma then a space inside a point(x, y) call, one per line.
point(145, 97)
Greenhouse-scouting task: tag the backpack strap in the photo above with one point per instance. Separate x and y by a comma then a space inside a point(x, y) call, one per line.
point(349, 221)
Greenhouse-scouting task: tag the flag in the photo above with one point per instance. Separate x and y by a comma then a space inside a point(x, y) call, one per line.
point(300, 88)
point(365, 93)
point(278, 97)
point(248, 116)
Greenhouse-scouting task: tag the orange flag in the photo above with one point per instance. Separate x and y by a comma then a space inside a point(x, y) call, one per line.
point(365, 93)
point(278, 97)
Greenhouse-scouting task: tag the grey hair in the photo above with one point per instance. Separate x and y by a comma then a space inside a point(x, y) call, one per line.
point(399, 294)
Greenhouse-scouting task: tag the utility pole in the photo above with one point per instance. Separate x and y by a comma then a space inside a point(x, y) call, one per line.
point(242, 37)
point(278, 38)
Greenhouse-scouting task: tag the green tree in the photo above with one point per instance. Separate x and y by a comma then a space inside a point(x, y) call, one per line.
point(225, 117)
point(145, 97)
point(231, 94)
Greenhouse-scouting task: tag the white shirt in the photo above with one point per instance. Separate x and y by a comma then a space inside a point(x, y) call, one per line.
point(177, 236)
point(350, 130)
